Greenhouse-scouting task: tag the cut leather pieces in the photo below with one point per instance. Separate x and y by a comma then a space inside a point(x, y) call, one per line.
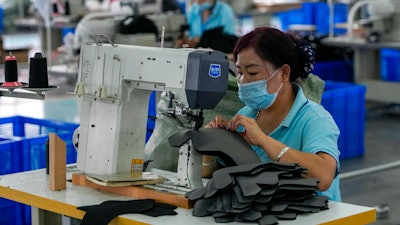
point(233, 150)
point(195, 193)
point(210, 189)
point(201, 207)
point(268, 220)
point(261, 193)
point(223, 177)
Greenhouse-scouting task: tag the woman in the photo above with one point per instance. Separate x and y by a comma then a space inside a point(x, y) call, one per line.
point(278, 121)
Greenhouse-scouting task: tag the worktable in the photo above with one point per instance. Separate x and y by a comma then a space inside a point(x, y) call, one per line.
point(367, 67)
point(31, 188)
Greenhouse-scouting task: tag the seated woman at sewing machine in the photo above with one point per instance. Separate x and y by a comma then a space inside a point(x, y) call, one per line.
point(279, 121)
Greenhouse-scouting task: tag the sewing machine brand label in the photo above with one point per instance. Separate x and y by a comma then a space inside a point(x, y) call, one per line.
point(215, 70)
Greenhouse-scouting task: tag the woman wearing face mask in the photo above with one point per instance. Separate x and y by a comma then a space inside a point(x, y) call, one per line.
point(278, 121)
point(206, 15)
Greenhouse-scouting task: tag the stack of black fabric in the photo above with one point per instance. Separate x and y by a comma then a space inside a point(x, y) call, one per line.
point(262, 193)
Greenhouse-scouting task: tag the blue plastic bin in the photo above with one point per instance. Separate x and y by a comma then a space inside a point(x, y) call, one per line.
point(315, 13)
point(303, 15)
point(346, 102)
point(390, 60)
point(152, 115)
point(13, 213)
point(27, 145)
point(334, 70)
point(322, 17)
point(10, 155)
point(22, 148)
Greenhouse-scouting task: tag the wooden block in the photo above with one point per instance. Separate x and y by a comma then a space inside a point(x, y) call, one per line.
point(138, 192)
point(57, 163)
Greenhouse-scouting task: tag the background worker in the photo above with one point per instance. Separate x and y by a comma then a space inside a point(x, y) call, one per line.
point(206, 15)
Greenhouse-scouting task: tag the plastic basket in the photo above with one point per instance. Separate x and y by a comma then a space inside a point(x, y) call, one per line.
point(346, 102)
point(10, 155)
point(25, 148)
point(322, 17)
point(390, 60)
point(13, 213)
point(303, 15)
point(334, 70)
point(152, 115)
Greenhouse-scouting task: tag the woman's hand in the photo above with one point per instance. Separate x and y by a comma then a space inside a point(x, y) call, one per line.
point(218, 122)
point(252, 132)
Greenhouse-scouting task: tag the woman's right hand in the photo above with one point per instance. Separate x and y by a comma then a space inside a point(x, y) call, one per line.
point(218, 122)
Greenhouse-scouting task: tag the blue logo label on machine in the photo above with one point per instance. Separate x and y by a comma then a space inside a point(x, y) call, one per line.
point(215, 70)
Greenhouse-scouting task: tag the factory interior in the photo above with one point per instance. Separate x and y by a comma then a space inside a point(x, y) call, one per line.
point(357, 45)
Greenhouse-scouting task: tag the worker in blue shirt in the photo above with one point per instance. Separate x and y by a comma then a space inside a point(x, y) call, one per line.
point(279, 121)
point(205, 15)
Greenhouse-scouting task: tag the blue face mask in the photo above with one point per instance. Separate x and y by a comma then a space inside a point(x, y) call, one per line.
point(255, 94)
point(204, 6)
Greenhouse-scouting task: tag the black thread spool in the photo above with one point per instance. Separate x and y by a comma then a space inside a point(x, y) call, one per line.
point(38, 77)
point(67, 8)
point(10, 72)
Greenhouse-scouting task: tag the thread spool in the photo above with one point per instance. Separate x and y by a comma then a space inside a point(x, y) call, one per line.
point(38, 77)
point(11, 72)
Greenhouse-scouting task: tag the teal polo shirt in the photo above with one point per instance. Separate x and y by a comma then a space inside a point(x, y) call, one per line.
point(222, 15)
point(308, 127)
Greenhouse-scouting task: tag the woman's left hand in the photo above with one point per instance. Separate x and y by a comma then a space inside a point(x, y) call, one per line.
point(252, 132)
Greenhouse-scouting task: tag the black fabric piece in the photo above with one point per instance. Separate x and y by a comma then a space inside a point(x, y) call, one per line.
point(278, 208)
point(286, 216)
point(224, 202)
point(195, 194)
point(268, 220)
point(303, 209)
point(301, 182)
point(137, 24)
point(210, 190)
point(216, 39)
point(224, 219)
point(268, 191)
point(223, 176)
point(249, 215)
point(234, 150)
point(201, 207)
point(103, 213)
point(299, 195)
point(240, 197)
point(160, 209)
point(261, 207)
point(263, 199)
point(250, 185)
point(237, 206)
point(220, 214)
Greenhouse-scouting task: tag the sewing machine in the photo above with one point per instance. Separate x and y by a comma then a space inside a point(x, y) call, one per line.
point(381, 23)
point(113, 88)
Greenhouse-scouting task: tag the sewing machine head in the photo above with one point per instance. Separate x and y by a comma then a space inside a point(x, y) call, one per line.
point(113, 89)
point(380, 20)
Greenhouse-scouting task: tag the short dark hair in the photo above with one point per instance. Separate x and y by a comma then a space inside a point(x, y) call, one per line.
point(279, 48)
